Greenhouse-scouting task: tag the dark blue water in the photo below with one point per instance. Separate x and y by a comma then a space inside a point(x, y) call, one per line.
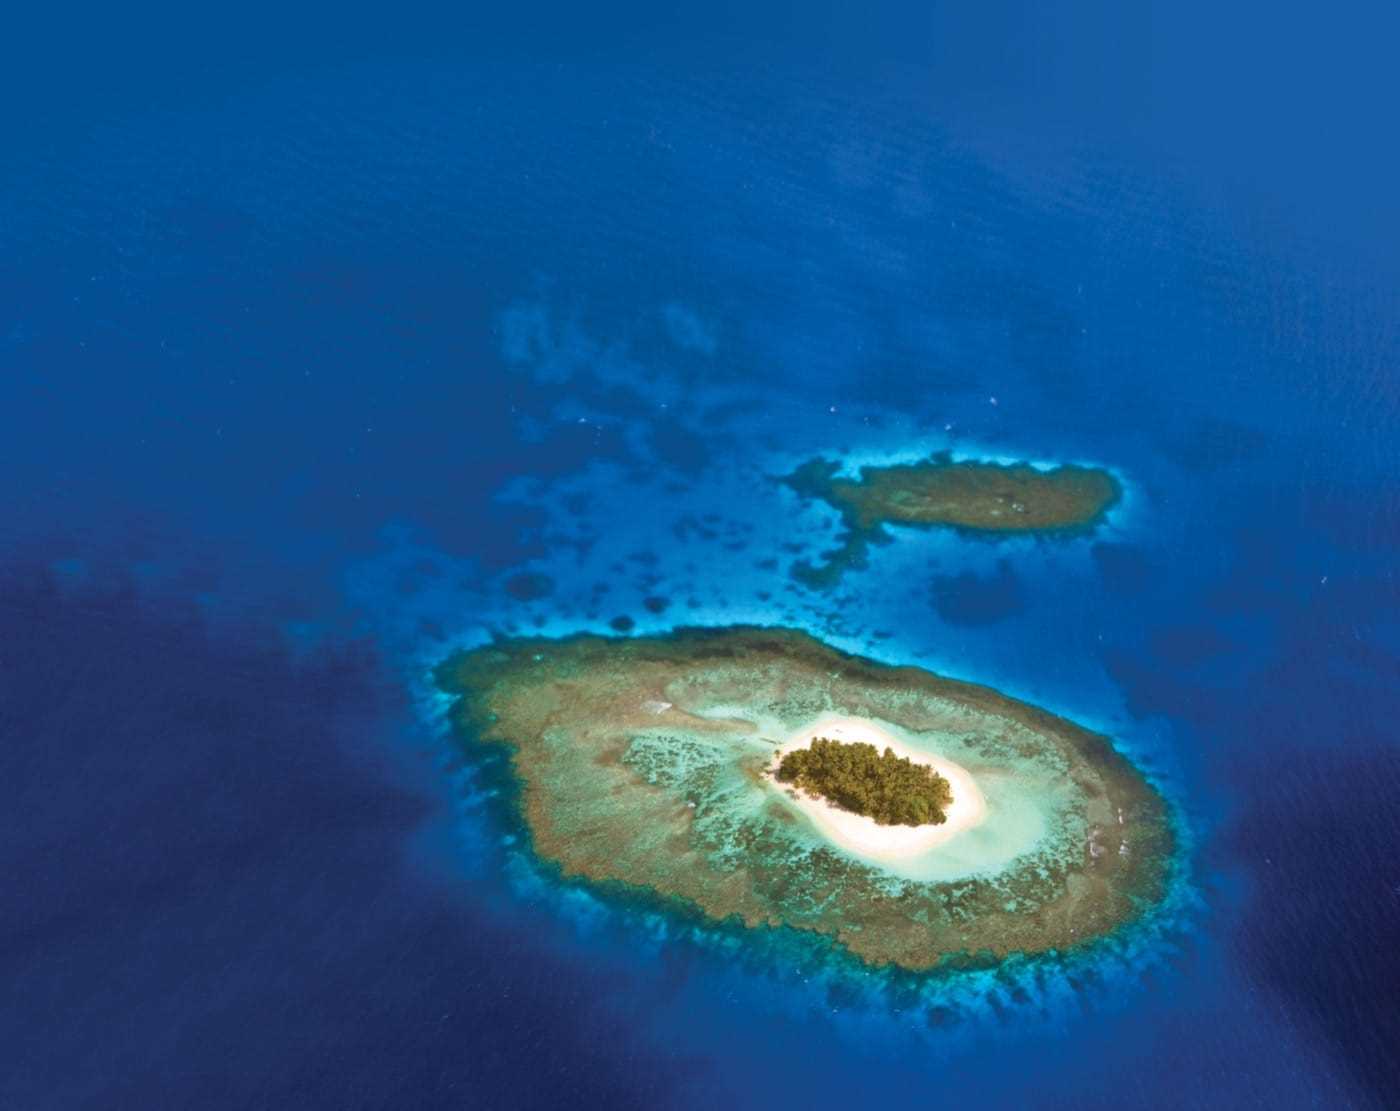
point(324, 351)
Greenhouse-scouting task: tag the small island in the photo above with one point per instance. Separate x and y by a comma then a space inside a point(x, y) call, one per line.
point(856, 776)
point(649, 766)
point(977, 497)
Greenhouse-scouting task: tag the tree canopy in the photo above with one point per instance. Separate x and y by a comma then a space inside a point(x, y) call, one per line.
point(857, 777)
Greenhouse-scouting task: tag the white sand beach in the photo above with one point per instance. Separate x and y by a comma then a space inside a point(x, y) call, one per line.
point(864, 836)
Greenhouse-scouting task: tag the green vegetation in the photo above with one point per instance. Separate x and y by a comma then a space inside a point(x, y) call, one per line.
point(892, 789)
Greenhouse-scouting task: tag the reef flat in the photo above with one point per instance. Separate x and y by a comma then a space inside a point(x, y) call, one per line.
point(974, 496)
point(642, 762)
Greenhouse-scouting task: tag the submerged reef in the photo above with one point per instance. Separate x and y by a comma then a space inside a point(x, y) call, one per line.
point(989, 498)
point(642, 764)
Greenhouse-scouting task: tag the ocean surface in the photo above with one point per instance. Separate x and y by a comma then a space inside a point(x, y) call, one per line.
point(327, 348)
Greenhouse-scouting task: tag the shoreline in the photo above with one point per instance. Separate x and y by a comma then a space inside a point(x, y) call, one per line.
point(861, 835)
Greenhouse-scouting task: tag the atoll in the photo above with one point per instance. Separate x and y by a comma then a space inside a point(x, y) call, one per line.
point(643, 764)
point(977, 497)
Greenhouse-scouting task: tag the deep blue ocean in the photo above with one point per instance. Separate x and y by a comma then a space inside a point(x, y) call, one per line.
point(329, 345)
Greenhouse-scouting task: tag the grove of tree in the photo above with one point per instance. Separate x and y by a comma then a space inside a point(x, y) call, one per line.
point(858, 777)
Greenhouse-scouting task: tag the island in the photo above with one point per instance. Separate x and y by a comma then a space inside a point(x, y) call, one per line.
point(857, 776)
point(973, 496)
point(647, 767)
